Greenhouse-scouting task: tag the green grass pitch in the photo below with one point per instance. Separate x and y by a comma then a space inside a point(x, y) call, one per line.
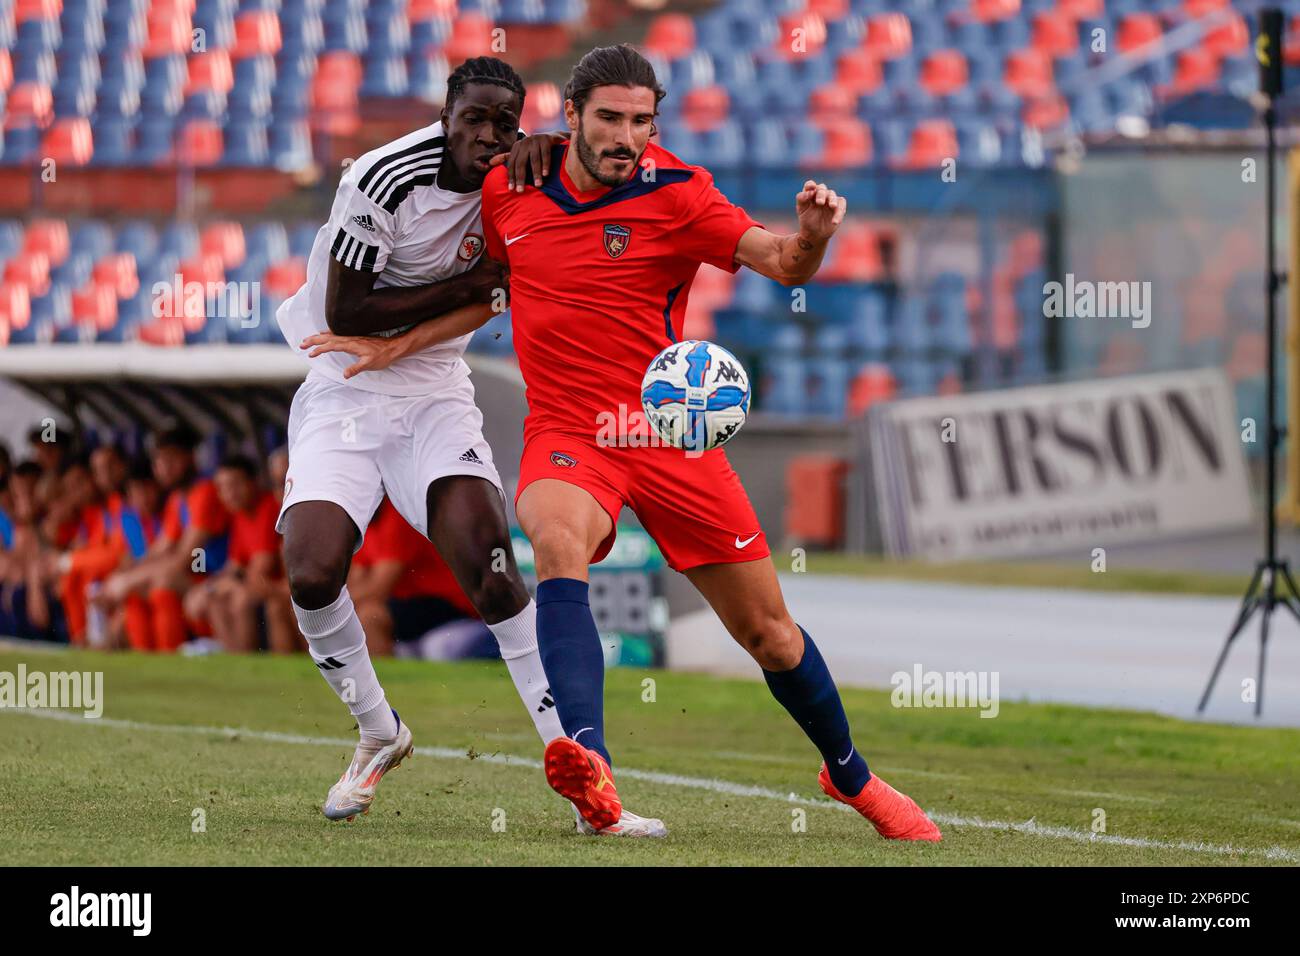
point(718, 760)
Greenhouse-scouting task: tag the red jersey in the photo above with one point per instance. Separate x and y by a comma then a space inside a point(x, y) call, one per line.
point(424, 572)
point(197, 505)
point(252, 532)
point(599, 280)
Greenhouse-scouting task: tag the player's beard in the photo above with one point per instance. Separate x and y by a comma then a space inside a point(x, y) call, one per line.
point(591, 162)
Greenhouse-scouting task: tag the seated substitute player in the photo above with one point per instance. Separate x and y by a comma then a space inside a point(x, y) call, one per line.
point(403, 244)
point(631, 223)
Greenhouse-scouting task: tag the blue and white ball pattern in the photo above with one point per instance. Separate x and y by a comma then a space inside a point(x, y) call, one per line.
point(695, 395)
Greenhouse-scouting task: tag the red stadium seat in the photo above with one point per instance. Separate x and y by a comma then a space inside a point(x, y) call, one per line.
point(1028, 73)
point(1231, 36)
point(944, 71)
point(15, 306)
point(471, 36)
point(543, 108)
point(257, 33)
point(334, 93)
point(286, 276)
point(30, 270)
point(671, 35)
point(859, 71)
point(49, 237)
point(163, 332)
point(30, 104)
point(1195, 69)
point(932, 142)
point(828, 9)
point(848, 145)
point(831, 104)
point(1199, 8)
point(6, 70)
point(178, 6)
point(1082, 9)
point(1046, 112)
point(118, 271)
point(889, 35)
point(69, 141)
point(225, 241)
point(853, 256)
point(25, 10)
point(1290, 44)
point(192, 309)
point(705, 107)
point(199, 143)
point(1055, 34)
point(210, 71)
point(874, 383)
point(96, 305)
point(428, 9)
point(799, 35)
point(989, 10)
point(169, 32)
point(1137, 30)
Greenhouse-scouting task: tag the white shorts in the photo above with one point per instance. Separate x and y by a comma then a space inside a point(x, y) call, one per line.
point(351, 447)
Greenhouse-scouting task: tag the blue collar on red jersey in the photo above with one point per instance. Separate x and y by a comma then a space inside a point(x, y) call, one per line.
point(554, 189)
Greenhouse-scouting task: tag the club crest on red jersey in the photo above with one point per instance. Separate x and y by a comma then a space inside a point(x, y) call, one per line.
point(616, 239)
point(562, 461)
point(470, 247)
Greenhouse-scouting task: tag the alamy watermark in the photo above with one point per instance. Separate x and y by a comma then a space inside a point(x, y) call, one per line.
point(1084, 299)
point(922, 688)
point(220, 299)
point(57, 690)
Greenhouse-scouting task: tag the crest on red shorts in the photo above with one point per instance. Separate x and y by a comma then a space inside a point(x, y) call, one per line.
point(616, 239)
point(562, 461)
point(470, 247)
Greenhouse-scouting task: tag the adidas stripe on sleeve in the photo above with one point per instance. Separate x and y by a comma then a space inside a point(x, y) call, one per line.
point(361, 232)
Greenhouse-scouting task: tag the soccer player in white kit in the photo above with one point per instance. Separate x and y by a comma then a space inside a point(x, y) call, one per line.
point(403, 245)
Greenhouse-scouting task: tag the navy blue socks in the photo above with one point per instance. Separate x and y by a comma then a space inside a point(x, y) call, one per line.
point(573, 660)
point(808, 693)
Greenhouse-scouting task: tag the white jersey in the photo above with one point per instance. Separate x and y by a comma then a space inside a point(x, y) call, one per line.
point(390, 217)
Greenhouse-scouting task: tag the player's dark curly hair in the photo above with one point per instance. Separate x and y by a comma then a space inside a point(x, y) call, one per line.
point(618, 65)
point(483, 69)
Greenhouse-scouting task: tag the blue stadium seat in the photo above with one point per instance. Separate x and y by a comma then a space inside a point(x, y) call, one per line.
point(153, 140)
point(290, 144)
point(869, 325)
point(384, 76)
point(11, 238)
point(245, 143)
point(301, 238)
point(22, 144)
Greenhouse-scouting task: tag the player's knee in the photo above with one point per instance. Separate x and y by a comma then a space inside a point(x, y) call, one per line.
point(773, 641)
point(559, 551)
point(497, 595)
point(314, 585)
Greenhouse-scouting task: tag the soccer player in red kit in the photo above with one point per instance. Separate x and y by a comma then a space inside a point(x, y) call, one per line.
point(601, 256)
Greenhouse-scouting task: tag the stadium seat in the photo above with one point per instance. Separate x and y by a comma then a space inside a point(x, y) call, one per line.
point(29, 269)
point(69, 142)
point(944, 72)
point(889, 36)
point(671, 35)
point(199, 143)
point(30, 104)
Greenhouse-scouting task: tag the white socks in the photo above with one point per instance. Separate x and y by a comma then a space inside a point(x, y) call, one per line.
point(337, 644)
point(517, 638)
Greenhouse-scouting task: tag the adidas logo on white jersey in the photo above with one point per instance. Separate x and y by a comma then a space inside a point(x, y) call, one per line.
point(365, 222)
point(471, 457)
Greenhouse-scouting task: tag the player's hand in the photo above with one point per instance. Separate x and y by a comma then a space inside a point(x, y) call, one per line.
point(372, 352)
point(530, 153)
point(820, 209)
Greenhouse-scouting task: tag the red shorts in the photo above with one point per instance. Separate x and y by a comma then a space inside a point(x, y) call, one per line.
point(694, 507)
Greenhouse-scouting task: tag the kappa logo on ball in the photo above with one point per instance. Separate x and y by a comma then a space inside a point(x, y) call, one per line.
point(616, 239)
point(470, 247)
point(562, 461)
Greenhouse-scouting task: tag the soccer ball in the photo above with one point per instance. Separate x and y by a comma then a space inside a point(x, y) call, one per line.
point(695, 395)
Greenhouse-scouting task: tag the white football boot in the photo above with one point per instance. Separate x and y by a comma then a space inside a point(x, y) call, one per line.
point(355, 790)
point(629, 825)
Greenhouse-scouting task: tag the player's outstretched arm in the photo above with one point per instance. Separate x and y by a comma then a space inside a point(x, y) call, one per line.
point(353, 306)
point(530, 154)
point(795, 258)
point(375, 352)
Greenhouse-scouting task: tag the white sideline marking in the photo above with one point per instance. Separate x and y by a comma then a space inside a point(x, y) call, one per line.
point(696, 783)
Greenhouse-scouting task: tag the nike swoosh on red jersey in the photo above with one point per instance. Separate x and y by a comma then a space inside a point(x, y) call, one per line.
point(745, 543)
